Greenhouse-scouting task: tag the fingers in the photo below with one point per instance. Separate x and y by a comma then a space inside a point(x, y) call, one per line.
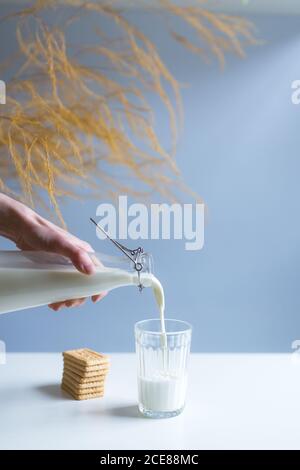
point(56, 306)
point(82, 261)
point(75, 302)
point(96, 298)
point(77, 241)
point(45, 236)
point(80, 243)
point(62, 245)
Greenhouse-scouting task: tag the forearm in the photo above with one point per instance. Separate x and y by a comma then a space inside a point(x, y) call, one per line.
point(12, 216)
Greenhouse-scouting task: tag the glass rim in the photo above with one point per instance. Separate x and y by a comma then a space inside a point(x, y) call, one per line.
point(188, 326)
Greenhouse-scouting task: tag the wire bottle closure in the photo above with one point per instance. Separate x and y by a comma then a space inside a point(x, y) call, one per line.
point(133, 255)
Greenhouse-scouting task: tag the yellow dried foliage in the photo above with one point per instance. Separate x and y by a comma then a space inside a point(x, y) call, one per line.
point(69, 123)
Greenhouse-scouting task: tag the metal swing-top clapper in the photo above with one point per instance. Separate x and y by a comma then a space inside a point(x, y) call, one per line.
point(133, 255)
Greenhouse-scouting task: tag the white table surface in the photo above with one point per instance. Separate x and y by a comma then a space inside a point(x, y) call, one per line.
point(235, 401)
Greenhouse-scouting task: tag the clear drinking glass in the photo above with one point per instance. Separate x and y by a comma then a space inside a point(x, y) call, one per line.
point(162, 366)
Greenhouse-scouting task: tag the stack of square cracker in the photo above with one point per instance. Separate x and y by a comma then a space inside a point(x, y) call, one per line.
point(84, 373)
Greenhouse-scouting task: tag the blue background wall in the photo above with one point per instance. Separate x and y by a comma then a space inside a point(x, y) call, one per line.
point(240, 151)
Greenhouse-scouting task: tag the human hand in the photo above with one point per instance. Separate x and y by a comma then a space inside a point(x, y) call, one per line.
point(30, 231)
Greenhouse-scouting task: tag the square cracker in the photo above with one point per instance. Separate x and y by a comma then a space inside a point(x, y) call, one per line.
point(81, 396)
point(83, 385)
point(86, 379)
point(97, 369)
point(83, 374)
point(86, 357)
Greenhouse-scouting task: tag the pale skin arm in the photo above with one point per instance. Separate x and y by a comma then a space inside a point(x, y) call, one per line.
point(30, 231)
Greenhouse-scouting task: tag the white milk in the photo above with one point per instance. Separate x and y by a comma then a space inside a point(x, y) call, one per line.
point(22, 288)
point(162, 392)
point(160, 300)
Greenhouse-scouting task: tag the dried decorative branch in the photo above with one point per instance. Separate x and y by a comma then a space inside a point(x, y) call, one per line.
point(68, 123)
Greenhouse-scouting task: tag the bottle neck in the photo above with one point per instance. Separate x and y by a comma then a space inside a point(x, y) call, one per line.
point(140, 270)
point(143, 262)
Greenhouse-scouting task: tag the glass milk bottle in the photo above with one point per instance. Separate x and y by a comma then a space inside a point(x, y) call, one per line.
point(31, 279)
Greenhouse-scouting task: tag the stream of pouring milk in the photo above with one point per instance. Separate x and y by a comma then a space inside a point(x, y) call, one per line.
point(160, 300)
